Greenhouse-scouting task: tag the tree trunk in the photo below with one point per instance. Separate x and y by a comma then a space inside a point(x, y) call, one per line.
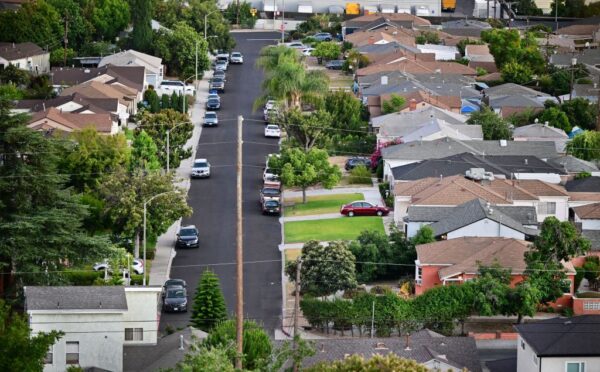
point(136, 243)
point(303, 195)
point(520, 319)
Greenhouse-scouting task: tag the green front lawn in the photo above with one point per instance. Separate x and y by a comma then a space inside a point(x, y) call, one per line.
point(319, 204)
point(343, 228)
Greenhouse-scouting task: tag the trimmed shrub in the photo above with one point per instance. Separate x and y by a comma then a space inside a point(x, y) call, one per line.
point(82, 277)
point(359, 175)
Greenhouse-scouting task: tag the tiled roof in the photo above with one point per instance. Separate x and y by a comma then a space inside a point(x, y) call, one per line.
point(75, 298)
point(473, 49)
point(464, 255)
point(398, 17)
point(72, 121)
point(14, 51)
point(418, 67)
point(588, 212)
point(563, 337)
point(95, 89)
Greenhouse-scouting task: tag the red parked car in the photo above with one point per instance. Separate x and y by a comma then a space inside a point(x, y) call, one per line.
point(363, 208)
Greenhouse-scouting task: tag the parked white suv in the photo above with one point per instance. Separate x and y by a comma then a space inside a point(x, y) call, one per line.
point(170, 86)
point(201, 168)
point(236, 58)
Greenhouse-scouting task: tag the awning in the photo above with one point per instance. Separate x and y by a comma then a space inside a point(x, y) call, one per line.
point(336, 9)
point(388, 8)
point(370, 9)
point(305, 8)
point(270, 6)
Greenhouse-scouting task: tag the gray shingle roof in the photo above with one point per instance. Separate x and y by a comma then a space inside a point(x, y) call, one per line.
point(419, 116)
point(572, 337)
point(515, 101)
point(589, 184)
point(572, 164)
point(447, 146)
point(416, 213)
point(473, 211)
point(594, 237)
point(514, 89)
point(539, 130)
point(14, 51)
point(425, 346)
point(75, 298)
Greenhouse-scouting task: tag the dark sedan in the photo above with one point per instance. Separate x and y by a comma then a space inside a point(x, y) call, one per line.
point(175, 299)
point(187, 237)
point(355, 162)
point(363, 208)
point(271, 207)
point(213, 104)
point(335, 65)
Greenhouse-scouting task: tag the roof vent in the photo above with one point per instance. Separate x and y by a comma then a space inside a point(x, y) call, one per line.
point(380, 345)
point(526, 161)
point(546, 123)
point(58, 305)
point(100, 305)
point(503, 143)
point(384, 80)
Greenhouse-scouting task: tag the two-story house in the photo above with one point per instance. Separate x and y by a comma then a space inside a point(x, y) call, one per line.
point(25, 56)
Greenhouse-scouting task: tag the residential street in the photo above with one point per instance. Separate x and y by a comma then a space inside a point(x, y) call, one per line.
point(213, 201)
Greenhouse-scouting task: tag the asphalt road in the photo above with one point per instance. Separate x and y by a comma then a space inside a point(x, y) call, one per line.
point(214, 202)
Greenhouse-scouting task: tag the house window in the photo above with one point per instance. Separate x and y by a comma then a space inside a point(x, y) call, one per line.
point(49, 358)
point(72, 352)
point(134, 334)
point(419, 275)
point(575, 367)
point(546, 208)
point(591, 305)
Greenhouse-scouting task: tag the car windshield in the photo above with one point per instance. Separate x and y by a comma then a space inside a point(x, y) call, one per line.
point(217, 80)
point(272, 127)
point(210, 115)
point(173, 282)
point(200, 164)
point(188, 232)
point(176, 293)
point(271, 203)
point(269, 191)
point(236, 54)
point(213, 101)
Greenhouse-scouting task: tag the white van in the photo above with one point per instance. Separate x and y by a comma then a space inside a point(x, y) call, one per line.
point(170, 86)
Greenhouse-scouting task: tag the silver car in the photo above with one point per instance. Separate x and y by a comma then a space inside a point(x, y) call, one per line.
point(210, 119)
point(201, 169)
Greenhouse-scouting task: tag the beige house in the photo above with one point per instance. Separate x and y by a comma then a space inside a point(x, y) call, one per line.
point(128, 97)
point(26, 56)
point(53, 120)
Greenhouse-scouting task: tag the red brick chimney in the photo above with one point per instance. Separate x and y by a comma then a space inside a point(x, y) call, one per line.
point(371, 39)
point(412, 105)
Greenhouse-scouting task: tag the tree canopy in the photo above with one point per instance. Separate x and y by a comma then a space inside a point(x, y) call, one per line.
point(492, 125)
point(585, 145)
point(394, 104)
point(177, 47)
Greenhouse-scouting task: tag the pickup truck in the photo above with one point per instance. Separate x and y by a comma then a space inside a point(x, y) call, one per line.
point(170, 86)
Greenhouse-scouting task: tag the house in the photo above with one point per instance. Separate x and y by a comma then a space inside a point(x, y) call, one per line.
point(75, 103)
point(402, 36)
point(53, 120)
point(509, 99)
point(559, 344)
point(456, 261)
point(548, 199)
point(97, 322)
point(372, 22)
point(129, 76)
point(479, 56)
point(128, 97)
point(587, 218)
point(583, 191)
point(417, 67)
point(586, 27)
point(416, 116)
point(588, 57)
point(542, 132)
point(154, 68)
point(426, 347)
point(413, 152)
point(499, 166)
point(587, 91)
point(168, 351)
point(474, 218)
point(26, 56)
point(417, 216)
point(573, 166)
point(465, 27)
point(441, 52)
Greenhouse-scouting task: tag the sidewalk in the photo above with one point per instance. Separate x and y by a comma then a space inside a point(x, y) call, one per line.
point(165, 245)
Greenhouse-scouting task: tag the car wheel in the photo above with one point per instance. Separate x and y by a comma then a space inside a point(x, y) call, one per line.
point(379, 213)
point(350, 214)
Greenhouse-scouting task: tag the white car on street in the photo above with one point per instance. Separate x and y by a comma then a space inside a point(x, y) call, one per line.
point(137, 265)
point(273, 131)
point(308, 52)
point(236, 58)
point(201, 168)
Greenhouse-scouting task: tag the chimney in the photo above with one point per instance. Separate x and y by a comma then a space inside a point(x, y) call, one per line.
point(412, 105)
point(371, 39)
point(526, 162)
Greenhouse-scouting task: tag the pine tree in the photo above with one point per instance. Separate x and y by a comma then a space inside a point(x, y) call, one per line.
point(175, 102)
point(141, 14)
point(165, 102)
point(209, 303)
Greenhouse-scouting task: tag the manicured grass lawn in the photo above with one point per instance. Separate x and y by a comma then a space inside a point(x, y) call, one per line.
point(344, 228)
point(320, 204)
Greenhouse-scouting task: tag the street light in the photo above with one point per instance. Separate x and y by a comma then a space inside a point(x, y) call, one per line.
point(573, 64)
point(168, 143)
point(145, 208)
point(206, 20)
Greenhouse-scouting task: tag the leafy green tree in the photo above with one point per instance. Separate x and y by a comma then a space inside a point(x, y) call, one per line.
point(209, 303)
point(165, 101)
point(141, 17)
point(556, 118)
point(346, 110)
point(125, 194)
point(151, 98)
point(585, 145)
point(22, 350)
point(11, 92)
point(308, 130)
point(327, 50)
point(367, 249)
point(518, 73)
point(402, 252)
point(580, 112)
point(492, 125)
point(440, 307)
point(394, 104)
point(11, 74)
point(80, 29)
point(356, 363)
point(557, 242)
point(491, 290)
point(57, 57)
point(177, 47)
point(36, 206)
point(298, 168)
point(527, 7)
point(156, 125)
point(176, 102)
point(334, 262)
point(144, 153)
point(462, 44)
point(110, 17)
point(35, 21)
point(91, 156)
point(423, 236)
point(206, 359)
point(428, 37)
point(507, 45)
point(217, 25)
point(354, 60)
point(243, 12)
point(256, 346)
point(523, 300)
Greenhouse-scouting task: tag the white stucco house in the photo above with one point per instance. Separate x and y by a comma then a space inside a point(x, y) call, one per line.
point(25, 56)
point(154, 68)
point(96, 321)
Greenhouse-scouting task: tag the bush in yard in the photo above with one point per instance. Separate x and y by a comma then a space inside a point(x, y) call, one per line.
point(359, 175)
point(327, 50)
point(209, 304)
point(80, 277)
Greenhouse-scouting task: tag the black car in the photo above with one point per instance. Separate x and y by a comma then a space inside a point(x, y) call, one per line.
point(335, 64)
point(213, 104)
point(355, 162)
point(187, 237)
point(271, 206)
point(173, 282)
point(175, 298)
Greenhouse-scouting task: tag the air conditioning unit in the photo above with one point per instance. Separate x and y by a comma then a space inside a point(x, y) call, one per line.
point(479, 174)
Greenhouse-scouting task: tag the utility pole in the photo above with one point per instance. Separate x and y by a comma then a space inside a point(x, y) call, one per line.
point(296, 306)
point(196, 78)
point(239, 253)
point(372, 319)
point(283, 22)
point(573, 65)
point(556, 15)
point(66, 40)
point(237, 13)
